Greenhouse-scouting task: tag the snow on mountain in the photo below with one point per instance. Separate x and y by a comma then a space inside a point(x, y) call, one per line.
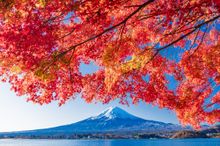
point(114, 112)
point(111, 120)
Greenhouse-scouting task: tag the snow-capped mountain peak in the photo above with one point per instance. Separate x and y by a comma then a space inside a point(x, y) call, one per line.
point(114, 112)
point(113, 119)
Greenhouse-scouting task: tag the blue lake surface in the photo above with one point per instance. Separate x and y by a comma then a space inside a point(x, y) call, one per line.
point(178, 142)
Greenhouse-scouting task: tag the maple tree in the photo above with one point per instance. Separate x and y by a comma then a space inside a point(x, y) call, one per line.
point(43, 43)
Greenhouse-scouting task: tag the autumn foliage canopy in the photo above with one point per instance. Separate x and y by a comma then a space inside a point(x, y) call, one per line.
point(136, 44)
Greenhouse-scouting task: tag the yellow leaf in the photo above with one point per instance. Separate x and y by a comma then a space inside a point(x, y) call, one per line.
point(111, 77)
point(137, 62)
point(15, 69)
point(41, 4)
point(108, 55)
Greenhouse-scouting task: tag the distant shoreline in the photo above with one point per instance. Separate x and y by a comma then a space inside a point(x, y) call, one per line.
point(105, 139)
point(95, 136)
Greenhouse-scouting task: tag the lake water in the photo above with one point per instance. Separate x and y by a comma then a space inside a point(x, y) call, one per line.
point(180, 142)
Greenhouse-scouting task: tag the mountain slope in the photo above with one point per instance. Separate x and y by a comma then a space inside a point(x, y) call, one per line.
point(110, 120)
point(115, 119)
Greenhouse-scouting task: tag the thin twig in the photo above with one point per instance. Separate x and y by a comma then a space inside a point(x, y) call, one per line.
point(181, 37)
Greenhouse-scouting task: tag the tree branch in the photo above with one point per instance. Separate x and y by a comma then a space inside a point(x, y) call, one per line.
point(111, 28)
point(181, 37)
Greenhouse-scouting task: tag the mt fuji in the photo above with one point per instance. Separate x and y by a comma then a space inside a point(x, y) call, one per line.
point(116, 119)
point(111, 120)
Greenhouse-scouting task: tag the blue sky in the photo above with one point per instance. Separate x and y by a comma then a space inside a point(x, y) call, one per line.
point(17, 114)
